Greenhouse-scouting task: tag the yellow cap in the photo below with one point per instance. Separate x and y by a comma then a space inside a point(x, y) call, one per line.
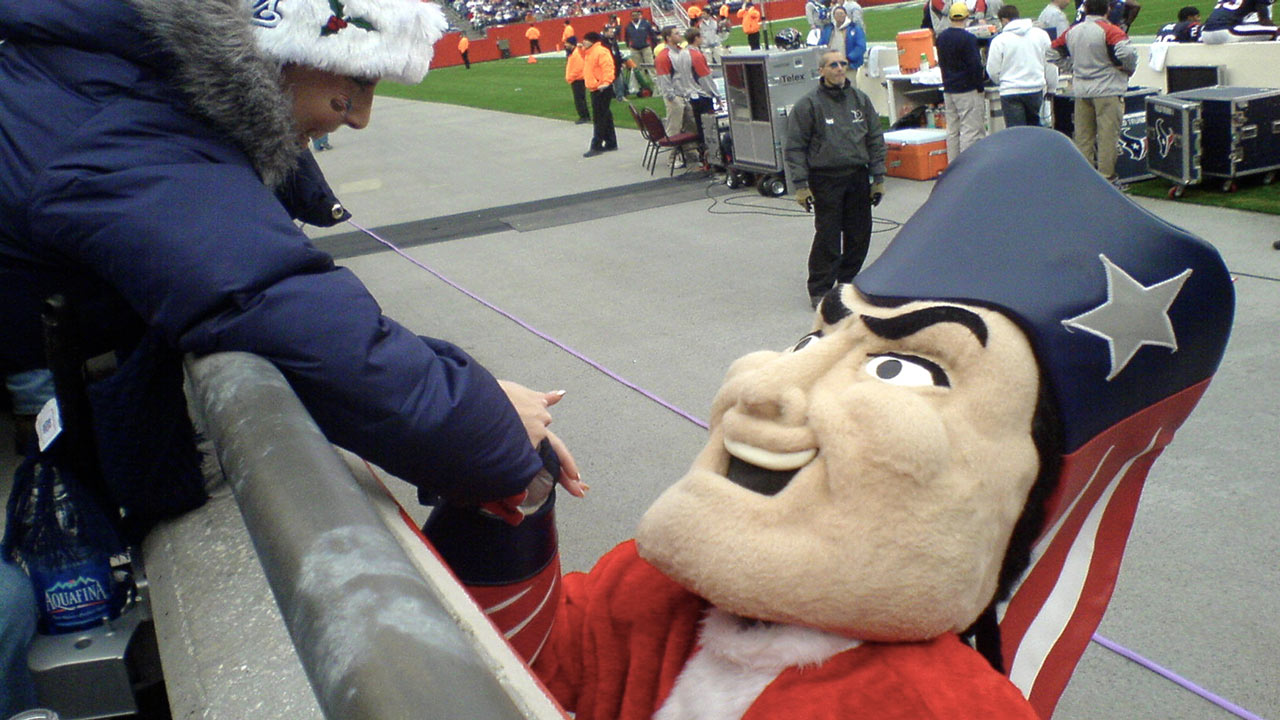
point(959, 11)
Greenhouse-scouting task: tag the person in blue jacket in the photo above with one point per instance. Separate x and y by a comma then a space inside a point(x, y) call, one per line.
point(845, 36)
point(149, 172)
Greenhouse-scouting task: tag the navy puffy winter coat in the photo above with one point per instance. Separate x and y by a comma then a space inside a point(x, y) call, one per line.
point(139, 147)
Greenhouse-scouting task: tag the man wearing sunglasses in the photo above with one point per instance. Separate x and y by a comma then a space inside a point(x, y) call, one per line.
point(835, 158)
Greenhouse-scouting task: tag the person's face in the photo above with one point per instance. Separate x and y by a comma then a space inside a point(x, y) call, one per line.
point(839, 16)
point(867, 480)
point(324, 101)
point(834, 66)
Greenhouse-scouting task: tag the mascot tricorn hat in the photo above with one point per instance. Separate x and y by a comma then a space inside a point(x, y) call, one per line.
point(1128, 317)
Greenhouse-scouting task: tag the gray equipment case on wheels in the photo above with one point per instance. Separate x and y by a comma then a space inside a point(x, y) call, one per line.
point(760, 89)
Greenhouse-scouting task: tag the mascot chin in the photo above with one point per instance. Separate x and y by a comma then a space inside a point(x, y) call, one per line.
point(916, 511)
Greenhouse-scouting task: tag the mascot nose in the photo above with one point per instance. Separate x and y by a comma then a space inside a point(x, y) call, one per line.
point(777, 393)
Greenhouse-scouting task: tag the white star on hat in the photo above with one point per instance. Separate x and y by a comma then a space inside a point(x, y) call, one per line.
point(1133, 315)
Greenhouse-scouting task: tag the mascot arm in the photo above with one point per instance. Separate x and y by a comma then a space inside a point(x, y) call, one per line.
point(505, 553)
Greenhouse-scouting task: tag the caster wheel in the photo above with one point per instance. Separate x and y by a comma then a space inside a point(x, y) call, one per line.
point(1229, 186)
point(733, 181)
point(1176, 191)
point(772, 187)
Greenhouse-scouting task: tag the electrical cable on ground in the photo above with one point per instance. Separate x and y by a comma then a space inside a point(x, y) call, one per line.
point(1097, 638)
point(753, 207)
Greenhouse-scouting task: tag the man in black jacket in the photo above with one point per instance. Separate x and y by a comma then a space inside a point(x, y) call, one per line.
point(835, 157)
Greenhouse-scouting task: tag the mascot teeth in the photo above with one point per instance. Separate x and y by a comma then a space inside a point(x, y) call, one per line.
point(768, 459)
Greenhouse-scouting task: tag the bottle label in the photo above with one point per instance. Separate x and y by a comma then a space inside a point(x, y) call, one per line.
point(73, 597)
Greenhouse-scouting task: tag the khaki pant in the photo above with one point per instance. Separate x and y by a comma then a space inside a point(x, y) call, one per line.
point(1097, 132)
point(966, 120)
point(680, 120)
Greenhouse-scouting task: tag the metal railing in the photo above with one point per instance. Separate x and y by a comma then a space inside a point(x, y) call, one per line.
point(381, 636)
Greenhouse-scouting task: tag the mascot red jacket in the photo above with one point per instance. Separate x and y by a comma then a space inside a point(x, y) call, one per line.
point(918, 509)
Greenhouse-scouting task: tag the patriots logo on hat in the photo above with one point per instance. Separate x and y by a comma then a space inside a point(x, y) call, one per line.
point(1133, 315)
point(265, 13)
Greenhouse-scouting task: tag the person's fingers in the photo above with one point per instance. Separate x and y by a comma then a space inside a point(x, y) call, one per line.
point(570, 478)
point(553, 397)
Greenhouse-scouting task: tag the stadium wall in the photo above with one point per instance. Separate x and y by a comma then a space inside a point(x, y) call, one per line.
point(487, 48)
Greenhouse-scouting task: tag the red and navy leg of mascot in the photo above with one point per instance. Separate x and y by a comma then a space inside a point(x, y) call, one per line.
point(506, 555)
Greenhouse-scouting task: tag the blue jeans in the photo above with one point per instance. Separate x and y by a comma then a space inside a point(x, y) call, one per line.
point(1022, 109)
point(17, 626)
point(30, 390)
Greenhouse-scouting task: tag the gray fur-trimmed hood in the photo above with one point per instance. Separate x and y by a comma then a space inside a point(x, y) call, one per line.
point(213, 58)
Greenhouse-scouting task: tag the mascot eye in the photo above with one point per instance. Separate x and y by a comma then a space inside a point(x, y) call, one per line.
point(806, 340)
point(907, 370)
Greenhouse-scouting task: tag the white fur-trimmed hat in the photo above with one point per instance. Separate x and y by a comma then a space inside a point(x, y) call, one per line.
point(386, 39)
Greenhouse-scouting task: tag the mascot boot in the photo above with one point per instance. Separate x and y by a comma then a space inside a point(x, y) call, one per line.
point(919, 509)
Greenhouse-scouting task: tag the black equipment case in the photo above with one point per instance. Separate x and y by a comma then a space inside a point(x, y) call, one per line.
point(1240, 130)
point(1173, 139)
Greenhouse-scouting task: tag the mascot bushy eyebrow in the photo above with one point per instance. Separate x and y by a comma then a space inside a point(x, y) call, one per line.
point(955, 452)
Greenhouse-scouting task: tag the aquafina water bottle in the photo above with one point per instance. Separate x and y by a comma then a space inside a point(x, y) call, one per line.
point(69, 568)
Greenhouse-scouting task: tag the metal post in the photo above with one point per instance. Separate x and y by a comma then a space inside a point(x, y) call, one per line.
point(378, 641)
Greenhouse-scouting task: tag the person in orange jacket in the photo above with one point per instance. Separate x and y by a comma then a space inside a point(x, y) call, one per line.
point(573, 76)
point(597, 76)
point(568, 34)
point(750, 17)
point(695, 12)
point(534, 35)
point(463, 46)
point(724, 10)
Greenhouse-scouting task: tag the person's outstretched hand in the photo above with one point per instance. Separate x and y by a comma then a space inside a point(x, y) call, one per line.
point(532, 407)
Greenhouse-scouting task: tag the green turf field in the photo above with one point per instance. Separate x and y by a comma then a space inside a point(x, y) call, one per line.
point(516, 86)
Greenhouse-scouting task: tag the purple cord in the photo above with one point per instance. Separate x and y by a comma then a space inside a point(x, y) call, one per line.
point(1177, 679)
point(1104, 642)
point(609, 373)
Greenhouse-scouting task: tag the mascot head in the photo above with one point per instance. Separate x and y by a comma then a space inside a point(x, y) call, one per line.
point(985, 397)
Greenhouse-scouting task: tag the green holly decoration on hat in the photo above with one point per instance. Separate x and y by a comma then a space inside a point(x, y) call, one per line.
point(339, 20)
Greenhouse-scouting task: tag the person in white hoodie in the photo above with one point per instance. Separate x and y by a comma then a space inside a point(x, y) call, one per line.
point(1017, 61)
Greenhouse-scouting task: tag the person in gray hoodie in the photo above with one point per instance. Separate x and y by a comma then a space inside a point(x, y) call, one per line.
point(1101, 59)
point(834, 154)
point(1016, 60)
